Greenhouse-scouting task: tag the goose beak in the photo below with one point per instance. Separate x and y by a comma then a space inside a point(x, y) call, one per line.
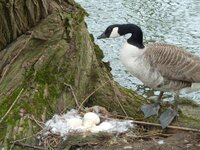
point(102, 36)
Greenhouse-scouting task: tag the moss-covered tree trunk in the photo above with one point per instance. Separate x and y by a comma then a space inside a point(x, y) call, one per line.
point(47, 61)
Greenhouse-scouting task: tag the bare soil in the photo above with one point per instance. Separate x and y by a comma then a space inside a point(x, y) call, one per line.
point(142, 139)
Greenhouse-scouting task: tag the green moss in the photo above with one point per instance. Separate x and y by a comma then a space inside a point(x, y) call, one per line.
point(188, 121)
point(74, 18)
point(68, 25)
point(77, 6)
point(12, 115)
point(100, 55)
point(51, 79)
point(94, 76)
point(185, 101)
point(98, 51)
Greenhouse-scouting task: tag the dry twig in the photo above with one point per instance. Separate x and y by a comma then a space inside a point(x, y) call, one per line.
point(169, 127)
point(122, 107)
point(81, 105)
point(156, 124)
point(72, 90)
point(120, 102)
point(19, 140)
point(151, 135)
point(27, 145)
point(39, 123)
point(52, 141)
point(12, 105)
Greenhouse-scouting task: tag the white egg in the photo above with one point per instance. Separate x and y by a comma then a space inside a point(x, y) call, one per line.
point(95, 129)
point(91, 118)
point(88, 125)
point(74, 123)
point(104, 126)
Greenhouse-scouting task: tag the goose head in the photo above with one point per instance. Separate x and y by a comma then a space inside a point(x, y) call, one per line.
point(117, 30)
point(110, 32)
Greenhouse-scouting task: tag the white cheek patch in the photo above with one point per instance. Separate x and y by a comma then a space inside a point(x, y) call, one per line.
point(114, 32)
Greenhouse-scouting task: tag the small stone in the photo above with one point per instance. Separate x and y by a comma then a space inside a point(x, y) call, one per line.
point(161, 142)
point(186, 141)
point(22, 112)
point(128, 147)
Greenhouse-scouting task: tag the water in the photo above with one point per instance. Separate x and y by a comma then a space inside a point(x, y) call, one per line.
point(168, 21)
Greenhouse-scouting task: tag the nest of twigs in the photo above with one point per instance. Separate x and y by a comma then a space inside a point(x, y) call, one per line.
point(52, 141)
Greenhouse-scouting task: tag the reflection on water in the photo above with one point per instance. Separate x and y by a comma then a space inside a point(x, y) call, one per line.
point(169, 21)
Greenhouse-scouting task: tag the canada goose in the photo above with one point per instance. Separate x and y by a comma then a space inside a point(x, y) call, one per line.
point(159, 66)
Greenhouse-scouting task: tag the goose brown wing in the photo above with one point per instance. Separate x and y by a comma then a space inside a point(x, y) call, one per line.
point(173, 63)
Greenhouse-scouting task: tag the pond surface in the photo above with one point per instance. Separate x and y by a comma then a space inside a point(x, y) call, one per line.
point(168, 21)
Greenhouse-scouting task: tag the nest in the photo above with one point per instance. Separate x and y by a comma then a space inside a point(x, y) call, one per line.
point(52, 141)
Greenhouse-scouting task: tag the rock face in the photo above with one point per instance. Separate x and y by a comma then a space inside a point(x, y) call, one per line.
point(49, 63)
point(18, 16)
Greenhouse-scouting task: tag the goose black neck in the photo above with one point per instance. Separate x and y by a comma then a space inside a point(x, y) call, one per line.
point(136, 38)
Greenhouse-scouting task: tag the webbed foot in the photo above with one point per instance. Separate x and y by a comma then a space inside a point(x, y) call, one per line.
point(150, 109)
point(167, 117)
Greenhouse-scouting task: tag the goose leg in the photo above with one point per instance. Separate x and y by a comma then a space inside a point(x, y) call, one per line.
point(168, 116)
point(152, 109)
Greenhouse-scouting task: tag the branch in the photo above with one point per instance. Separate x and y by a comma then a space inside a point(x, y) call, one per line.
point(72, 90)
point(12, 105)
point(27, 145)
point(81, 105)
point(156, 124)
